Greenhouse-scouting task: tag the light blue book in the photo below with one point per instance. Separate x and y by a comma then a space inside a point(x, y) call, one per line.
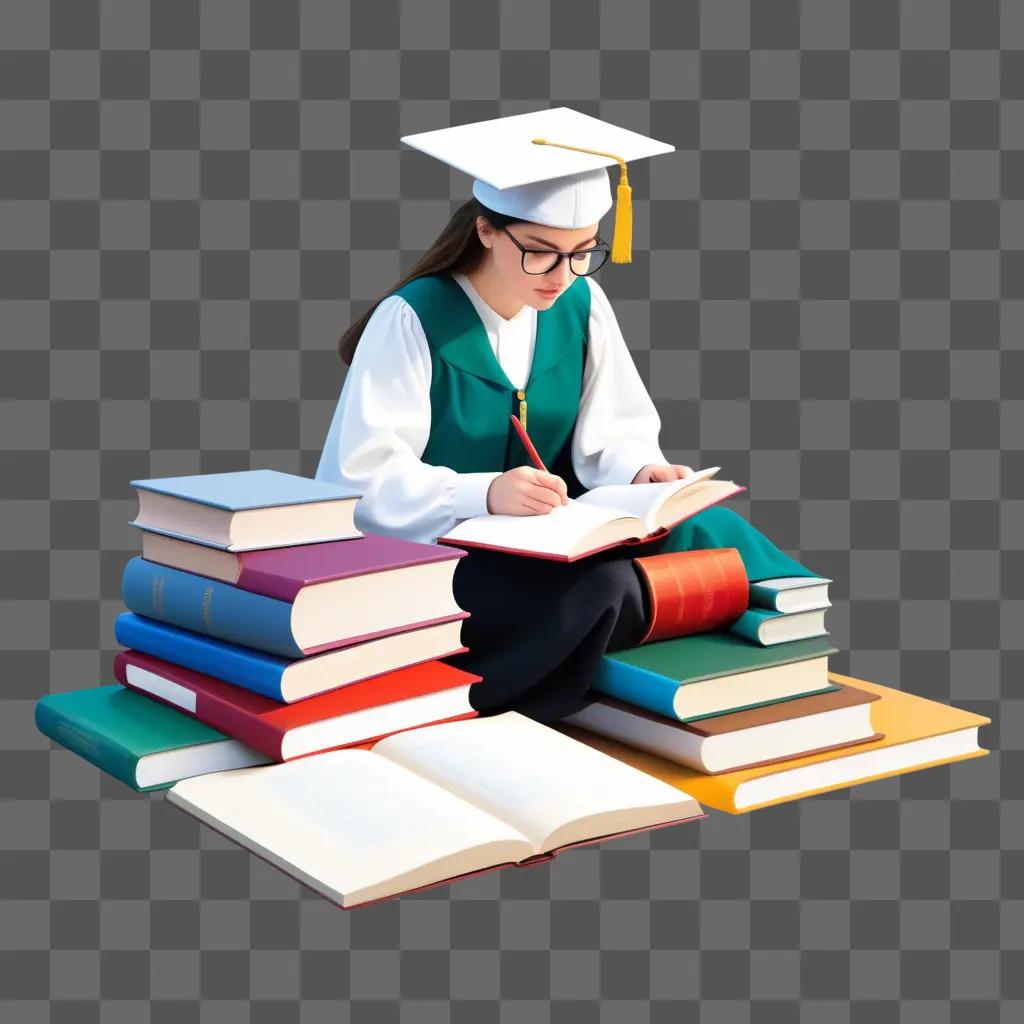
point(247, 510)
point(790, 593)
point(209, 606)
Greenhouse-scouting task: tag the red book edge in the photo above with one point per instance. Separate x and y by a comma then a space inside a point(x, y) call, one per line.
point(215, 706)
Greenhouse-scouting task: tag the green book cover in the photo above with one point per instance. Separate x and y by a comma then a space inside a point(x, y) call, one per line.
point(651, 674)
point(114, 727)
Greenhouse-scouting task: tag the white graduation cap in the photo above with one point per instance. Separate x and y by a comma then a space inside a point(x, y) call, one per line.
point(546, 166)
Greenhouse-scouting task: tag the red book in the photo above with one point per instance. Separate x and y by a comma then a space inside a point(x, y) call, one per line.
point(359, 713)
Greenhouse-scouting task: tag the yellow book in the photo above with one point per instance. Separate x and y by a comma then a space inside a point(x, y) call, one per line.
point(917, 733)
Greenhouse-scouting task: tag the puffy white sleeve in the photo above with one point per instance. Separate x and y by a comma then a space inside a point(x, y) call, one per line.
point(380, 429)
point(618, 425)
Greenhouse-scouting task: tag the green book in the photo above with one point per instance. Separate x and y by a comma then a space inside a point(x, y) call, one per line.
point(145, 744)
point(693, 677)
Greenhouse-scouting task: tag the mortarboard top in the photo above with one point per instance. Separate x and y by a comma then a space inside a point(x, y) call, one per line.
point(546, 166)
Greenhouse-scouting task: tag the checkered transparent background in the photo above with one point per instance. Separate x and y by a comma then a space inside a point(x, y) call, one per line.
point(827, 298)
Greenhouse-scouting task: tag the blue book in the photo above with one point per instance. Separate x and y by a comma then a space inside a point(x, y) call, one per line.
point(244, 666)
point(247, 510)
point(282, 679)
point(209, 606)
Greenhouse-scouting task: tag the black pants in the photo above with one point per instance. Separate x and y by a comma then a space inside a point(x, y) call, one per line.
point(538, 628)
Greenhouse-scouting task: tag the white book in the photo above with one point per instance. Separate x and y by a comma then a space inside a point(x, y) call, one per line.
point(791, 593)
point(429, 805)
point(599, 519)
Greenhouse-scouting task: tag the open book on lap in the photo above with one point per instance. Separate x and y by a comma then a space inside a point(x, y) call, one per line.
point(597, 520)
point(430, 805)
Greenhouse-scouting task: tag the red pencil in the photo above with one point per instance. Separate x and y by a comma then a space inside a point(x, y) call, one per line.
point(528, 444)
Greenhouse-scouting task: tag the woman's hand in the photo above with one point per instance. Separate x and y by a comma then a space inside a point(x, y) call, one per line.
point(526, 491)
point(654, 474)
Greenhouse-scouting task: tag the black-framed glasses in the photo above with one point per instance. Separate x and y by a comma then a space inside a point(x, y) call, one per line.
point(582, 262)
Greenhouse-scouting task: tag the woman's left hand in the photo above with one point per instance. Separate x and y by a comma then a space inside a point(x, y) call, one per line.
point(653, 473)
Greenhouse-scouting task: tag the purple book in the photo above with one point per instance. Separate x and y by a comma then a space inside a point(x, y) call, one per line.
point(339, 592)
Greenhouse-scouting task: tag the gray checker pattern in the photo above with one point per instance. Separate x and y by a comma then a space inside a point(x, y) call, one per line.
point(827, 298)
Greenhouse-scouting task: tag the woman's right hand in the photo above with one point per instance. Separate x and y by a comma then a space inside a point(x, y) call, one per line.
point(526, 491)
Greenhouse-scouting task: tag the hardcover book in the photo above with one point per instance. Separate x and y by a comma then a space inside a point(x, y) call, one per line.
point(245, 509)
point(430, 806)
point(141, 742)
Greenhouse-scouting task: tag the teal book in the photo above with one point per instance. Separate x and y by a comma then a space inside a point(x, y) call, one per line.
point(766, 627)
point(247, 509)
point(143, 743)
point(693, 677)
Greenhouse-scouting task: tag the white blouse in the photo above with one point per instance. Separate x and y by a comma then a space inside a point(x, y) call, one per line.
point(382, 421)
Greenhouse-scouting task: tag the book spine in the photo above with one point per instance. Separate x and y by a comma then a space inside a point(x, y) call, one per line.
point(217, 714)
point(208, 606)
point(88, 744)
point(695, 591)
point(254, 670)
point(748, 626)
point(637, 686)
point(761, 597)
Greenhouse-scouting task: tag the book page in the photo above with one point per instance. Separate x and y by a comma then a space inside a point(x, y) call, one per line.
point(642, 500)
point(351, 824)
point(554, 532)
point(538, 780)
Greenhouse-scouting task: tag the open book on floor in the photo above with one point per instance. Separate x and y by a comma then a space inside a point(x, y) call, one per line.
point(431, 805)
point(599, 519)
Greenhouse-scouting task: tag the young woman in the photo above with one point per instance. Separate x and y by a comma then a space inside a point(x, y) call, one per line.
point(502, 315)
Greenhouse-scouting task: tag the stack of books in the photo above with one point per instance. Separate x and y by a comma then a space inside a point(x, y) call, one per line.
point(784, 609)
point(264, 626)
point(282, 681)
point(747, 714)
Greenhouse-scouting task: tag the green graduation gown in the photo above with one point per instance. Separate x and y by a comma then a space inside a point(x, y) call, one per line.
point(537, 628)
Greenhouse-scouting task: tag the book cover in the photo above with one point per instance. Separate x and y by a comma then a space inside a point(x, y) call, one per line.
point(282, 572)
point(247, 489)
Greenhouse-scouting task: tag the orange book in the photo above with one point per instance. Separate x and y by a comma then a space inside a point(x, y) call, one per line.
point(918, 733)
point(691, 592)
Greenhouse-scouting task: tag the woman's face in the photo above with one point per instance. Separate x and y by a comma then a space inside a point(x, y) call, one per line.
point(537, 290)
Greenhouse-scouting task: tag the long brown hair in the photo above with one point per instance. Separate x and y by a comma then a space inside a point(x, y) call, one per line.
point(456, 250)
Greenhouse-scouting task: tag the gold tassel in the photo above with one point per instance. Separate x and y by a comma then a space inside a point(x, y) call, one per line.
point(622, 240)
